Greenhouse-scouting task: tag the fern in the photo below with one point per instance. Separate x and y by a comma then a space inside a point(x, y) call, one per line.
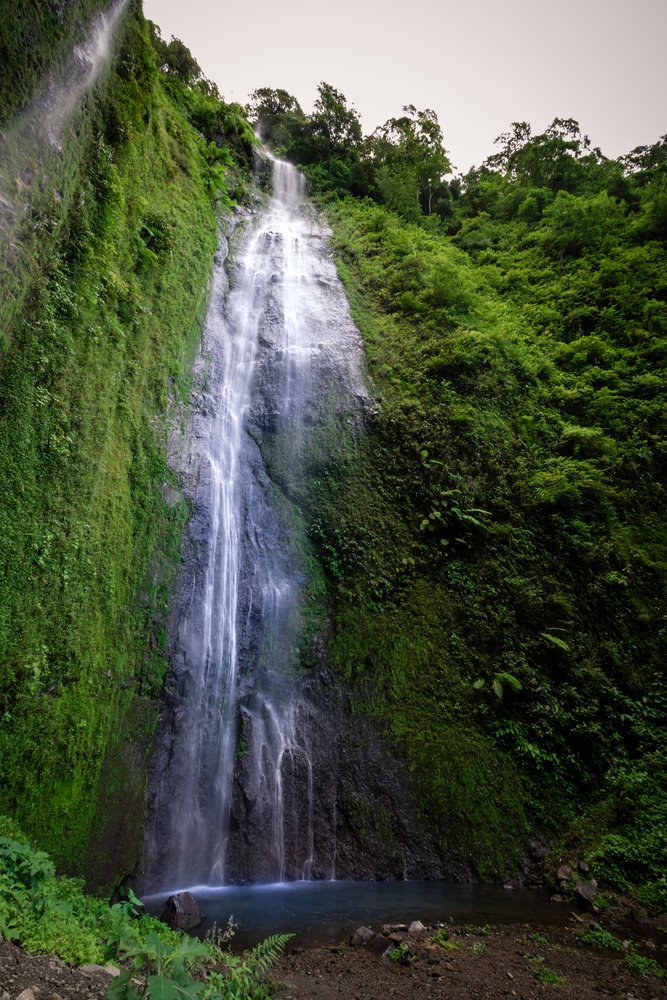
point(265, 953)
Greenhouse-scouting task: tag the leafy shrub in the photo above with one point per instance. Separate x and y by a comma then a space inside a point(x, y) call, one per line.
point(546, 976)
point(481, 931)
point(51, 914)
point(642, 966)
point(441, 938)
point(399, 953)
point(600, 938)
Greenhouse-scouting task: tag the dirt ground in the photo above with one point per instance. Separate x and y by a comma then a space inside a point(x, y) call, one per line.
point(509, 961)
point(505, 967)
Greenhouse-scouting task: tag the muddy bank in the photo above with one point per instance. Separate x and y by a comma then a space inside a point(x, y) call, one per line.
point(518, 960)
point(515, 961)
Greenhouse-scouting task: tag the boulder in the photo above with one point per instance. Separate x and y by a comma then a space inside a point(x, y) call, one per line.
point(393, 928)
point(584, 893)
point(584, 868)
point(563, 873)
point(362, 936)
point(416, 927)
point(181, 912)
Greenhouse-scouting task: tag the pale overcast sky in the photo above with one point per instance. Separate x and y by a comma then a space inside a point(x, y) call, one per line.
point(479, 65)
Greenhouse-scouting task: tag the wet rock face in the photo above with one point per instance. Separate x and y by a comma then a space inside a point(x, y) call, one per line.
point(261, 770)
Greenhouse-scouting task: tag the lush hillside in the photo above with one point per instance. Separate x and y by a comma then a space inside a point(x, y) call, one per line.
point(496, 547)
point(105, 287)
point(493, 541)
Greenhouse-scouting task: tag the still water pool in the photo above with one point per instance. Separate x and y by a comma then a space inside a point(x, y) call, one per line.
point(327, 912)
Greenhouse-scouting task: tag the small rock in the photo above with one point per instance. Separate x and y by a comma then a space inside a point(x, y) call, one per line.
point(575, 916)
point(181, 912)
point(448, 966)
point(5, 996)
point(508, 886)
point(362, 936)
point(111, 970)
point(584, 893)
point(26, 994)
point(563, 873)
point(584, 868)
point(393, 928)
point(91, 967)
point(416, 927)
point(510, 976)
point(556, 898)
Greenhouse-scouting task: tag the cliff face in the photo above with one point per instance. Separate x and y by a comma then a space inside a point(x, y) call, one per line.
point(483, 628)
point(109, 234)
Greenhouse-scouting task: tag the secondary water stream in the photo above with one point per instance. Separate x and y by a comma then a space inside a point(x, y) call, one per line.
point(278, 388)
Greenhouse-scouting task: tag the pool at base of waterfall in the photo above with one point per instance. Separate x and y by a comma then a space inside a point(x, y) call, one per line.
point(320, 913)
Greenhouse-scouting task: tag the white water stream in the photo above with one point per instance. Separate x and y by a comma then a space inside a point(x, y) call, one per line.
point(282, 368)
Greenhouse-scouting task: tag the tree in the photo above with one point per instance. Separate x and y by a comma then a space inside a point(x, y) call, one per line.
point(175, 58)
point(411, 160)
point(333, 126)
point(277, 116)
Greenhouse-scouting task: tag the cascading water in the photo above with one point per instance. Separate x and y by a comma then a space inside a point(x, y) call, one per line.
point(234, 772)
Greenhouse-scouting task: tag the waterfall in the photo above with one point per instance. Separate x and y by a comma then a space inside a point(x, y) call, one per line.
point(234, 775)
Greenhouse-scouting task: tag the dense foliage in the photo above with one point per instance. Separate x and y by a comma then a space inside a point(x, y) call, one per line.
point(51, 914)
point(35, 39)
point(104, 287)
point(496, 543)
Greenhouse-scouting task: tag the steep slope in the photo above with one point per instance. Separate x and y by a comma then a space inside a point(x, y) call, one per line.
point(496, 551)
point(113, 237)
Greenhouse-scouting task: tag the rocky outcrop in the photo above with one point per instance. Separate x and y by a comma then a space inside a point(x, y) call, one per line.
point(182, 912)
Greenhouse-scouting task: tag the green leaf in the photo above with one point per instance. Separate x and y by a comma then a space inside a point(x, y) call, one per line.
point(479, 684)
point(556, 641)
point(122, 987)
point(509, 679)
point(498, 688)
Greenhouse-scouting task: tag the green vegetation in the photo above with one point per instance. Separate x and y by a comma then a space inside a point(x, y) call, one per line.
point(50, 914)
point(546, 976)
point(491, 548)
point(642, 966)
point(107, 287)
point(35, 41)
point(495, 542)
point(399, 953)
point(600, 938)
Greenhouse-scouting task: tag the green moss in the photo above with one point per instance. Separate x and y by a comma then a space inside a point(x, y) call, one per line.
point(34, 42)
point(113, 277)
point(488, 524)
